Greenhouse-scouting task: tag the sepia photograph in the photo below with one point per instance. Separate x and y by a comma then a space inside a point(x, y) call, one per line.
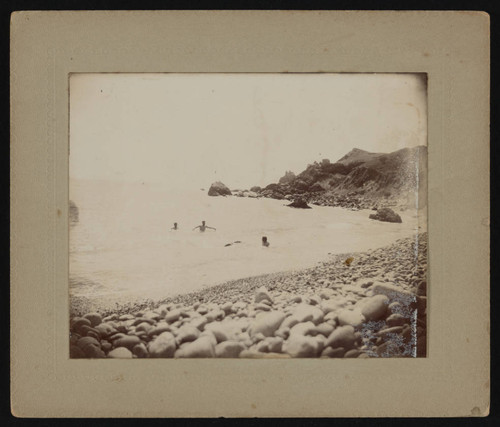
point(248, 215)
point(249, 202)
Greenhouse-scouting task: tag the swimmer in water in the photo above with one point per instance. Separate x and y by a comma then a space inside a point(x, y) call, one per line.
point(265, 242)
point(203, 227)
point(174, 227)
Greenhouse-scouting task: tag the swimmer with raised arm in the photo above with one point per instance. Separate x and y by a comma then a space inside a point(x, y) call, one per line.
point(203, 227)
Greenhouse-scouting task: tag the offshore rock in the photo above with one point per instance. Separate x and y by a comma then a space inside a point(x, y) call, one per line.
point(386, 215)
point(219, 189)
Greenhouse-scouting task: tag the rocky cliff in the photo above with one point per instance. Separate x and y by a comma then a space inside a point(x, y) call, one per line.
point(360, 179)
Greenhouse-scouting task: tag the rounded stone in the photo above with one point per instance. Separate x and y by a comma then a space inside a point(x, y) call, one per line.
point(333, 305)
point(187, 333)
point(106, 329)
point(151, 315)
point(352, 353)
point(331, 317)
point(120, 353)
point(94, 318)
point(210, 336)
point(396, 319)
point(140, 320)
point(393, 292)
point(275, 344)
point(227, 307)
point(351, 317)
point(289, 322)
point(375, 307)
point(325, 329)
point(343, 336)
point(140, 351)
point(221, 332)
point(128, 341)
point(159, 329)
point(262, 294)
point(282, 333)
point(396, 307)
point(306, 328)
point(334, 352)
point(202, 309)
point(78, 322)
point(173, 316)
point(90, 346)
point(199, 323)
point(270, 345)
point(216, 314)
point(85, 329)
point(163, 346)
point(202, 347)
point(106, 346)
point(229, 349)
point(93, 334)
point(266, 324)
point(85, 341)
point(306, 312)
point(301, 346)
point(315, 300)
point(144, 326)
point(326, 293)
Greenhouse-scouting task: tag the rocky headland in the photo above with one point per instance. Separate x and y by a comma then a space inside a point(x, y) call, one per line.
point(359, 180)
point(357, 305)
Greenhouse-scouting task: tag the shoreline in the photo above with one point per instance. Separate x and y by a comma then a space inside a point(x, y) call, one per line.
point(249, 316)
point(111, 303)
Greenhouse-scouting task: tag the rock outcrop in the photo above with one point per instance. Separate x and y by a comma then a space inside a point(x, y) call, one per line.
point(359, 180)
point(386, 215)
point(219, 189)
point(299, 203)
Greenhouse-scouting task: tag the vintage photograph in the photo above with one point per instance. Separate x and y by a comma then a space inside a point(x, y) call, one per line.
point(267, 215)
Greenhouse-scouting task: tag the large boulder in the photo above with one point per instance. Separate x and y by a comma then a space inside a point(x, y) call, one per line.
point(219, 189)
point(299, 203)
point(386, 215)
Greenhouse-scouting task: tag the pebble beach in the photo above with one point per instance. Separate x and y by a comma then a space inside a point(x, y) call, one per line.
point(353, 305)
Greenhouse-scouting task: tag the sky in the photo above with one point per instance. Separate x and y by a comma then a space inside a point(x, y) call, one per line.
point(189, 130)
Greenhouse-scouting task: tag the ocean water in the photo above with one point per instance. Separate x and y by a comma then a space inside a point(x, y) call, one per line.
point(123, 244)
